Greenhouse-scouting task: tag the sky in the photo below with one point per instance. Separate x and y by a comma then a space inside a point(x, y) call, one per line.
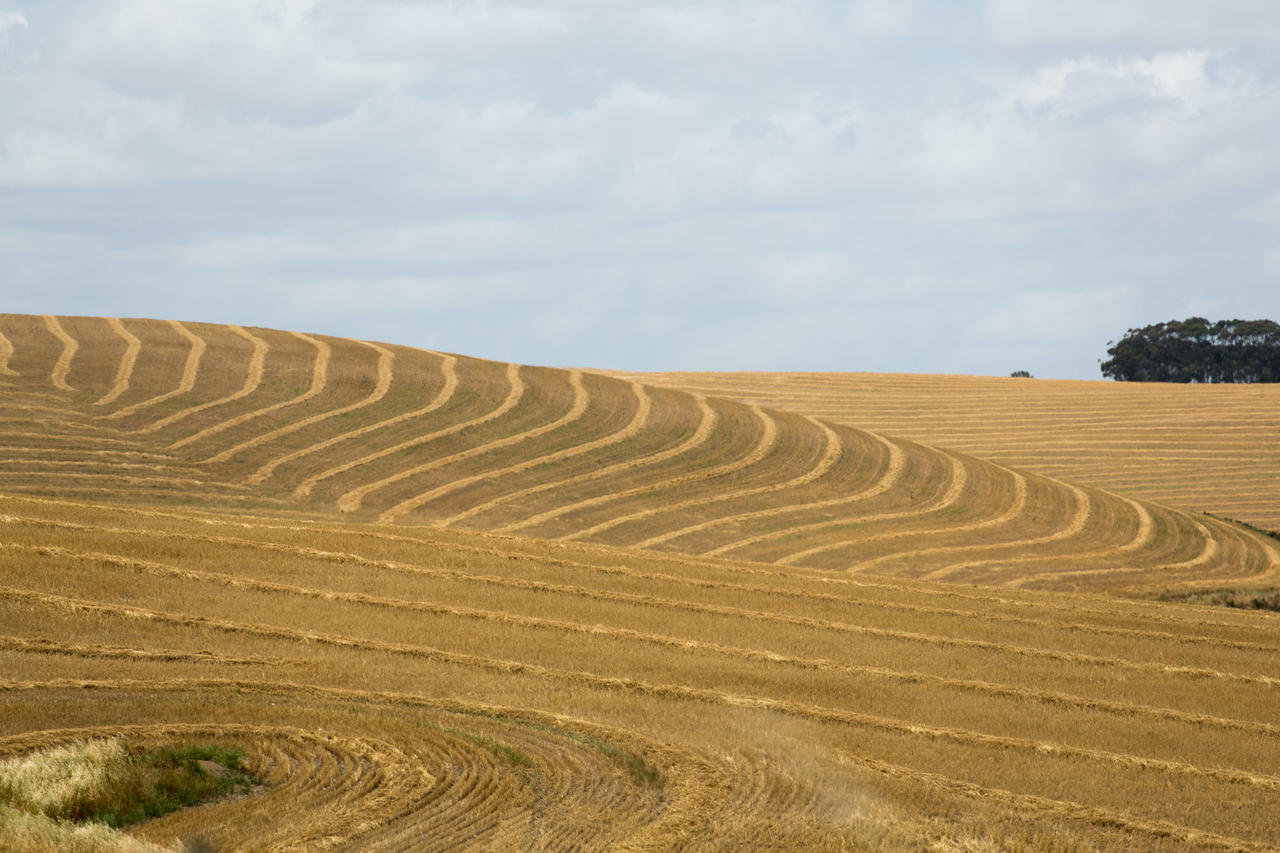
point(883, 185)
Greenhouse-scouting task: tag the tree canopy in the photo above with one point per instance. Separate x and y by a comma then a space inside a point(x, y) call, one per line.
point(1195, 350)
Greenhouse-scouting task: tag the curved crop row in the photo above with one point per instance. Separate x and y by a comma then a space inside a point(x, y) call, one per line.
point(398, 435)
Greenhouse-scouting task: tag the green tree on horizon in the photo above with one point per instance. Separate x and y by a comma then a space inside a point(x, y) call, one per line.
point(1195, 350)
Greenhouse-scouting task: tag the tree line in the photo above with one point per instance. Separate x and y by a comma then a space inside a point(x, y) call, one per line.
point(1195, 350)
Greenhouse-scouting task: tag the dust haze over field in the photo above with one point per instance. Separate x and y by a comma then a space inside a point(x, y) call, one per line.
point(441, 601)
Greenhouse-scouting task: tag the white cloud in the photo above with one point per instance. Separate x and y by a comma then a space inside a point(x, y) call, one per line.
point(10, 22)
point(35, 159)
point(883, 18)
point(706, 171)
point(1057, 316)
point(1144, 22)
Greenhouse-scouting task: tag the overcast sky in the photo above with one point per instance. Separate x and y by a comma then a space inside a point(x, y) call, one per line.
point(886, 185)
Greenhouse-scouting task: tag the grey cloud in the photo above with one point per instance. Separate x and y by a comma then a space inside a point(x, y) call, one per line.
point(892, 186)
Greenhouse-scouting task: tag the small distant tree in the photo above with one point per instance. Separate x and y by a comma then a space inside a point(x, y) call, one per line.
point(1195, 350)
point(1022, 374)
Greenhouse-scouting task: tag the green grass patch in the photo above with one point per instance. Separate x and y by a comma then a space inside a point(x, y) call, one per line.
point(166, 780)
point(102, 782)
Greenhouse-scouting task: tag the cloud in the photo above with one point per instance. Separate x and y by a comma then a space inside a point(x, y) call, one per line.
point(1057, 316)
point(656, 184)
point(1129, 22)
point(10, 22)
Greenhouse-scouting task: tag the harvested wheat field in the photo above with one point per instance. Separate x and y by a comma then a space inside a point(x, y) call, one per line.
point(447, 603)
point(188, 414)
point(1204, 448)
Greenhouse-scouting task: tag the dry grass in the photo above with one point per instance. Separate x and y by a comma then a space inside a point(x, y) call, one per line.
point(272, 420)
point(175, 566)
point(1209, 448)
point(448, 688)
point(60, 781)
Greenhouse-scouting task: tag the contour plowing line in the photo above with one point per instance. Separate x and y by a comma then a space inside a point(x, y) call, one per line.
point(768, 440)
point(6, 353)
point(319, 372)
point(385, 359)
point(1013, 511)
point(801, 710)
point(189, 370)
point(448, 369)
point(58, 377)
point(125, 371)
point(833, 451)
point(1084, 509)
point(706, 425)
point(956, 484)
point(658, 579)
point(352, 499)
point(253, 379)
point(581, 400)
point(765, 656)
point(894, 466)
point(1065, 809)
point(644, 405)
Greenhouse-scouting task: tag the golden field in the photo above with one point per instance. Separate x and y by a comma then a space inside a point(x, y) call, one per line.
point(1206, 448)
point(447, 603)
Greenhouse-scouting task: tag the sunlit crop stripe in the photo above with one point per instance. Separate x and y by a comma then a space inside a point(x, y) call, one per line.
point(852, 629)
point(833, 450)
point(139, 493)
point(41, 450)
point(708, 418)
point(1208, 550)
point(127, 360)
point(46, 646)
point(79, 439)
point(52, 415)
point(644, 405)
point(578, 408)
point(768, 440)
point(58, 376)
point(1052, 698)
point(6, 353)
point(253, 378)
point(449, 371)
point(319, 381)
point(1011, 513)
point(802, 710)
point(1076, 524)
point(957, 480)
point(190, 369)
point(319, 370)
point(895, 464)
point(56, 476)
point(352, 499)
point(383, 384)
point(658, 579)
point(67, 464)
point(1179, 429)
point(1142, 537)
point(1165, 614)
point(1026, 804)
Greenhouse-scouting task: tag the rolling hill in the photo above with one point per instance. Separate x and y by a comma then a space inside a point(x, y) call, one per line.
point(443, 602)
point(1203, 448)
point(204, 415)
